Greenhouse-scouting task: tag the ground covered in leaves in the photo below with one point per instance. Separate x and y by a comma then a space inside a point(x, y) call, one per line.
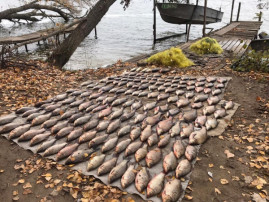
point(232, 167)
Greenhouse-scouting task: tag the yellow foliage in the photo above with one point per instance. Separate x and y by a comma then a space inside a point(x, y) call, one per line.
point(172, 57)
point(206, 45)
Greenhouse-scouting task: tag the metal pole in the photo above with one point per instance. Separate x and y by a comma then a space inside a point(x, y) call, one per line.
point(95, 31)
point(188, 34)
point(154, 21)
point(260, 17)
point(232, 11)
point(205, 8)
point(238, 13)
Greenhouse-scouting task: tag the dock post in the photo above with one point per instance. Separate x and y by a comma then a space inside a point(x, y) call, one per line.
point(232, 11)
point(188, 34)
point(204, 27)
point(238, 13)
point(95, 32)
point(26, 48)
point(154, 21)
point(260, 17)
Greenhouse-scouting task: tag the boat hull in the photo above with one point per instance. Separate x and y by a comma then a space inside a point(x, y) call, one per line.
point(187, 14)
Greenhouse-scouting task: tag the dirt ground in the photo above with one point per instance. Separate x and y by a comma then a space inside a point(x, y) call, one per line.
point(232, 167)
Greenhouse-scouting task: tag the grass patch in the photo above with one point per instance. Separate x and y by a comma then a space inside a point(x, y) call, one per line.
point(173, 57)
point(206, 45)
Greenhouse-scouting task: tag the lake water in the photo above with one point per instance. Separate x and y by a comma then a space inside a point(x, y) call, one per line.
point(125, 34)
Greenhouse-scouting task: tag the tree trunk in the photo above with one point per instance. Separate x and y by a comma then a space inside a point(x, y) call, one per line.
point(63, 53)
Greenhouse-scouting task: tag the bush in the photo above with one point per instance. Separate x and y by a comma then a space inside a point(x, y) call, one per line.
point(253, 61)
point(172, 57)
point(206, 45)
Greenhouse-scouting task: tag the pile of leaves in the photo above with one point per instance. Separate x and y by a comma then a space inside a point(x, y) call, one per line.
point(206, 45)
point(173, 57)
point(253, 61)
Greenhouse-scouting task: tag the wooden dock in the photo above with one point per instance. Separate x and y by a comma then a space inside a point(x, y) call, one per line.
point(235, 37)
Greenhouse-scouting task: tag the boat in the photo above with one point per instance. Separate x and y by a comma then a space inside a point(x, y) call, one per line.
point(184, 13)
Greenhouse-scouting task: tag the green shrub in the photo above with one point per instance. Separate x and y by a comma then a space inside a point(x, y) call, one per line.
point(206, 45)
point(172, 57)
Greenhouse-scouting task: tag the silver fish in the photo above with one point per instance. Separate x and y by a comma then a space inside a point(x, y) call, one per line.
point(46, 145)
point(61, 97)
point(153, 157)
point(116, 114)
point(128, 177)
point(85, 105)
point(132, 148)
point(164, 126)
point(150, 106)
point(161, 109)
point(164, 140)
point(124, 130)
point(175, 130)
point(128, 92)
point(127, 115)
point(117, 171)
point(188, 116)
point(106, 166)
point(95, 95)
point(66, 151)
point(197, 105)
point(213, 100)
point(101, 98)
point(95, 162)
point(169, 162)
point(190, 152)
point(153, 95)
point(178, 148)
point(171, 191)
point(183, 103)
point(105, 112)
point(216, 92)
point(169, 90)
point(186, 131)
point(91, 107)
point(91, 124)
point(69, 100)
point(211, 123)
point(27, 113)
point(152, 120)
point(141, 153)
point(58, 127)
point(209, 110)
point(97, 140)
point(200, 121)
point(142, 179)
point(220, 113)
point(211, 79)
point(75, 134)
point(24, 109)
point(221, 80)
point(64, 132)
point(145, 133)
point(143, 94)
point(30, 134)
point(52, 107)
point(155, 186)
point(32, 116)
point(103, 125)
point(39, 138)
point(199, 89)
point(153, 139)
point(118, 102)
point(172, 99)
point(198, 137)
point(207, 90)
point(75, 117)
point(189, 94)
point(228, 105)
point(140, 117)
point(201, 98)
point(99, 108)
point(87, 136)
point(128, 103)
point(183, 168)
point(136, 105)
point(18, 131)
point(163, 96)
point(113, 126)
point(135, 133)
point(82, 120)
point(54, 149)
point(110, 144)
point(86, 94)
point(68, 114)
point(109, 100)
point(180, 92)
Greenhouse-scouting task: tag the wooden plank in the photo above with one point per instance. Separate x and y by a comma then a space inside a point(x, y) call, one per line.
point(243, 50)
point(242, 46)
point(236, 45)
point(221, 42)
point(231, 45)
point(227, 44)
point(227, 29)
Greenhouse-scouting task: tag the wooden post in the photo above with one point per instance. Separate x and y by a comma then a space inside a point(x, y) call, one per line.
point(188, 34)
point(260, 17)
point(154, 21)
point(232, 11)
point(238, 13)
point(26, 48)
point(95, 31)
point(205, 8)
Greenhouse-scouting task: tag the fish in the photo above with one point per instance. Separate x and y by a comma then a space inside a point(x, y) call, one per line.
point(128, 177)
point(213, 100)
point(153, 157)
point(220, 113)
point(178, 148)
point(197, 105)
point(207, 90)
point(183, 168)
point(109, 100)
point(146, 133)
point(118, 101)
point(24, 109)
point(183, 103)
point(127, 115)
point(132, 148)
point(32, 116)
point(107, 166)
point(129, 103)
point(86, 94)
point(153, 139)
point(61, 97)
point(68, 114)
point(135, 133)
point(216, 92)
point(190, 83)
point(169, 162)
point(188, 116)
point(142, 179)
point(30, 134)
point(171, 191)
point(190, 152)
point(17, 132)
point(124, 130)
point(69, 100)
point(46, 145)
point(198, 137)
point(172, 99)
point(140, 117)
point(153, 95)
point(105, 112)
point(164, 141)
point(175, 130)
point(90, 108)
point(150, 106)
point(39, 138)
point(143, 86)
point(64, 132)
point(199, 89)
point(180, 92)
point(82, 120)
point(153, 87)
point(163, 96)
point(155, 185)
point(85, 105)
point(173, 112)
point(200, 121)
point(95, 95)
point(221, 80)
point(97, 140)
point(103, 125)
point(143, 94)
point(161, 109)
point(199, 84)
point(57, 112)
point(117, 171)
point(87, 136)
point(101, 98)
point(56, 128)
point(211, 123)
point(141, 153)
point(136, 93)
point(136, 105)
point(27, 113)
point(170, 90)
point(113, 126)
point(52, 107)
point(152, 120)
point(110, 144)
point(75, 134)
point(122, 145)
point(77, 92)
point(186, 131)
point(228, 105)
point(66, 151)
point(128, 92)
point(54, 149)
point(164, 126)
point(208, 110)
point(95, 162)
point(189, 94)
point(99, 108)
point(201, 98)
point(116, 114)
point(91, 124)
point(211, 79)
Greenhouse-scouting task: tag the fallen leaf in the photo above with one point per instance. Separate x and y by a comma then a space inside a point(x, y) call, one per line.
point(27, 185)
point(16, 198)
point(14, 193)
point(27, 191)
point(229, 154)
point(257, 198)
point(21, 181)
point(211, 165)
point(188, 197)
point(224, 181)
point(1, 171)
point(217, 191)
